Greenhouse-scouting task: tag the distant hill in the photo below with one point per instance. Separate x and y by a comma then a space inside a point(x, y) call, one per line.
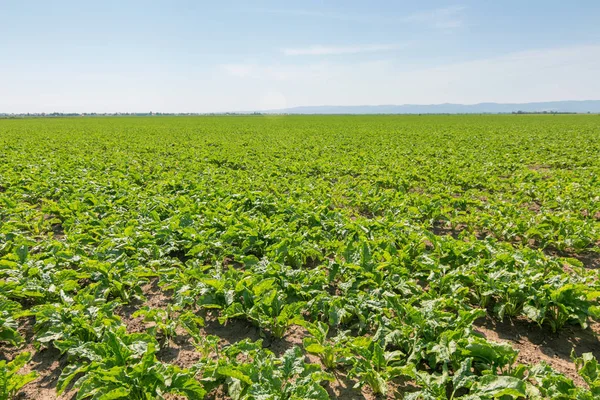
point(592, 106)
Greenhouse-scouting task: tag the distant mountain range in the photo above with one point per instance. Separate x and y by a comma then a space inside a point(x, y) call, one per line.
point(592, 106)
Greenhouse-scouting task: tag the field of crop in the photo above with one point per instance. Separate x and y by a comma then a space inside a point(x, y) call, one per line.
point(312, 257)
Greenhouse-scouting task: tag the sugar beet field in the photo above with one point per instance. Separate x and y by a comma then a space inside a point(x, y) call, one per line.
point(300, 257)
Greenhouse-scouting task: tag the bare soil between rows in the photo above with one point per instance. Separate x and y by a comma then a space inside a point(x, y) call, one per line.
point(534, 344)
point(538, 344)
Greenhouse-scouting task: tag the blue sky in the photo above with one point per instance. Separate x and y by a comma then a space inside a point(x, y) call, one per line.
point(200, 56)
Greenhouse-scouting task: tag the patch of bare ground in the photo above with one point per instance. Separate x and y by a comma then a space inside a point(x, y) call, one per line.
point(218, 393)
point(172, 396)
point(589, 259)
point(537, 344)
point(56, 227)
point(588, 214)
point(236, 330)
point(542, 169)
point(538, 167)
point(533, 206)
point(233, 331)
point(416, 189)
point(179, 351)
point(293, 337)
point(47, 363)
point(155, 298)
point(344, 388)
point(230, 261)
point(440, 228)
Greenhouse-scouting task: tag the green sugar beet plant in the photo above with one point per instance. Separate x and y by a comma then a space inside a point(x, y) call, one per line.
point(295, 257)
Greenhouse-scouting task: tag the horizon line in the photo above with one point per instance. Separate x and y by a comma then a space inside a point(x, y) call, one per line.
point(283, 110)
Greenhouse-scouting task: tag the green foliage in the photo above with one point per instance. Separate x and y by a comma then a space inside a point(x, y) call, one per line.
point(10, 379)
point(589, 369)
point(375, 367)
point(124, 366)
point(378, 242)
point(73, 321)
point(331, 352)
point(8, 326)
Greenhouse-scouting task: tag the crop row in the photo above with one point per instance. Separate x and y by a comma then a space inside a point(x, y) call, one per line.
point(383, 239)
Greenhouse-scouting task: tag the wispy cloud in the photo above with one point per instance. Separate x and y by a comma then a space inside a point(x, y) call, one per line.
point(319, 50)
point(444, 18)
point(441, 18)
point(535, 75)
point(315, 14)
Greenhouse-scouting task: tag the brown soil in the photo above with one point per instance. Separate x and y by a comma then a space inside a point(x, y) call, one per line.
point(236, 330)
point(587, 214)
point(155, 298)
point(343, 388)
point(218, 393)
point(47, 363)
point(590, 259)
point(416, 189)
point(232, 331)
point(58, 231)
point(441, 228)
point(230, 261)
point(179, 351)
point(534, 206)
point(538, 167)
point(543, 170)
point(537, 344)
point(293, 337)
